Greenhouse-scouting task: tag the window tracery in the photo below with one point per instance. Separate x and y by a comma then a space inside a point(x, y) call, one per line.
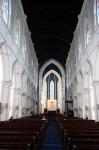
point(87, 32)
point(17, 31)
point(6, 11)
point(97, 10)
point(24, 47)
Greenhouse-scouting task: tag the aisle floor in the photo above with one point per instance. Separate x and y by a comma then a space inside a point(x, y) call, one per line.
point(51, 139)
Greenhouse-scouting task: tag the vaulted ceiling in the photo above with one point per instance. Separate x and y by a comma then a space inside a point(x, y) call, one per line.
point(52, 26)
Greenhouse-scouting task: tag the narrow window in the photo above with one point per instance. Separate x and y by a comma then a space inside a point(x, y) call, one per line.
point(17, 32)
point(87, 33)
point(6, 11)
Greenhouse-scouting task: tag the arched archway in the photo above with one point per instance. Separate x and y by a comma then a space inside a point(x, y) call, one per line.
point(5, 80)
point(15, 102)
point(80, 94)
point(28, 97)
point(24, 93)
point(96, 81)
point(88, 89)
point(59, 99)
point(56, 63)
point(75, 103)
point(52, 61)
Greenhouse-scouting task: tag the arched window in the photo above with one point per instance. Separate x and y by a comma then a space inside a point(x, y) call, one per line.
point(17, 32)
point(24, 47)
point(87, 32)
point(97, 8)
point(32, 63)
point(6, 11)
point(52, 90)
point(79, 49)
point(96, 12)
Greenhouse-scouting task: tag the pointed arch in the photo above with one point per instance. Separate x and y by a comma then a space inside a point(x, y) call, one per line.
point(61, 69)
point(15, 102)
point(88, 88)
point(52, 61)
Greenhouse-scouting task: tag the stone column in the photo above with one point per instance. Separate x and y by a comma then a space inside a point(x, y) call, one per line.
point(75, 106)
point(96, 85)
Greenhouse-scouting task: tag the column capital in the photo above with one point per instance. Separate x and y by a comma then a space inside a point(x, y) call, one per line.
point(96, 83)
point(86, 89)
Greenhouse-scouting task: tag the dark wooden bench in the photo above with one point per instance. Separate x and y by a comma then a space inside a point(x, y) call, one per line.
point(79, 134)
point(26, 133)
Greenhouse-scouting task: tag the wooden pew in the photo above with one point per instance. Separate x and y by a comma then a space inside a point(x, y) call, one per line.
point(23, 133)
point(79, 134)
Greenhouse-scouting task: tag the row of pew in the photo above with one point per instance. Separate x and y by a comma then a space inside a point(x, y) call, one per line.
point(22, 134)
point(79, 134)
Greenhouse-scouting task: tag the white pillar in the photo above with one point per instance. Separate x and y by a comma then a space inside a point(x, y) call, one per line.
point(96, 84)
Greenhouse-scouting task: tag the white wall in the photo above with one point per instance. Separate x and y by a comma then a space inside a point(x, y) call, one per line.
point(19, 73)
point(82, 64)
point(62, 100)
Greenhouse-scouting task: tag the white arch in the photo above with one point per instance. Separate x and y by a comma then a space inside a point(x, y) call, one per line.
point(16, 90)
point(24, 78)
point(56, 63)
point(51, 71)
point(89, 89)
point(60, 67)
point(5, 79)
point(59, 100)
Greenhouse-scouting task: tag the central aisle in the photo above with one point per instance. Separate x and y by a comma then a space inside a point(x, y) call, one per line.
point(51, 139)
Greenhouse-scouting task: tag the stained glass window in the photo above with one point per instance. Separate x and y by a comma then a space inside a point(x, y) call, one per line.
point(5, 8)
point(79, 49)
point(95, 14)
point(97, 10)
point(17, 32)
point(52, 90)
point(1, 6)
point(6, 11)
point(24, 47)
point(87, 32)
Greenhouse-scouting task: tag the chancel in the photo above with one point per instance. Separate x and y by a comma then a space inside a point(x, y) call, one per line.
point(52, 92)
point(49, 75)
point(51, 84)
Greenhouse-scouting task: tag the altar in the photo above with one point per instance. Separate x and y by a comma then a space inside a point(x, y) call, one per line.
point(51, 105)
